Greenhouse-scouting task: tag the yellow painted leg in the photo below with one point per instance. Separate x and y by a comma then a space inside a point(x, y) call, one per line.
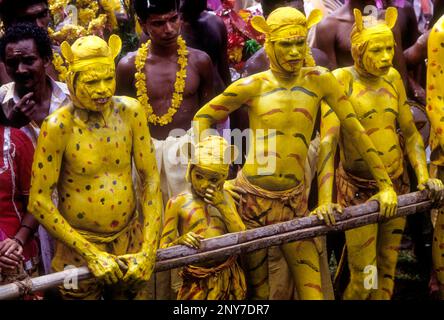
point(257, 275)
point(361, 249)
point(303, 260)
point(389, 238)
point(438, 244)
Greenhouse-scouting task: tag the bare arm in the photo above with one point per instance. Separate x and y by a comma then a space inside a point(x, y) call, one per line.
point(325, 38)
point(125, 76)
point(206, 88)
point(221, 106)
point(151, 199)
point(413, 139)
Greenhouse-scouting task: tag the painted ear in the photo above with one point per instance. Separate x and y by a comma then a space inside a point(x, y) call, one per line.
point(187, 150)
point(314, 18)
point(115, 43)
point(358, 19)
point(230, 154)
point(65, 48)
point(391, 15)
point(259, 23)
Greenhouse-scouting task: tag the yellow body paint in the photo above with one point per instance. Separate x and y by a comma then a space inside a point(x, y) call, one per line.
point(284, 102)
point(435, 112)
point(377, 94)
point(85, 150)
point(208, 211)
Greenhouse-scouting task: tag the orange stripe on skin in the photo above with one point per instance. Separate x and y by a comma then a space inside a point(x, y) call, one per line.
point(271, 112)
point(384, 90)
point(168, 221)
point(368, 242)
point(314, 286)
point(332, 130)
point(190, 214)
point(297, 157)
point(200, 230)
point(313, 73)
point(372, 130)
point(216, 107)
point(305, 112)
point(390, 128)
point(344, 97)
point(325, 178)
point(260, 283)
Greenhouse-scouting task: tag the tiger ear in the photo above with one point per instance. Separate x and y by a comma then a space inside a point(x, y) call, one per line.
point(65, 48)
point(358, 19)
point(115, 43)
point(391, 15)
point(314, 18)
point(259, 23)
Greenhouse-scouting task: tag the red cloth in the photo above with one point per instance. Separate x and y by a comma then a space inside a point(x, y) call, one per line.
point(22, 152)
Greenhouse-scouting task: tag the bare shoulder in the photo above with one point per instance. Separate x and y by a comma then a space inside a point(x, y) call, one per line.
point(393, 75)
point(198, 58)
point(316, 73)
point(127, 63)
point(124, 103)
point(180, 202)
point(60, 121)
point(343, 74)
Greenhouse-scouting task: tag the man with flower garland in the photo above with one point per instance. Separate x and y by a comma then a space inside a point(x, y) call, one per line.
point(171, 81)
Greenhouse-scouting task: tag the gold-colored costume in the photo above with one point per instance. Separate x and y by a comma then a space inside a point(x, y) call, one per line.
point(86, 150)
point(435, 112)
point(208, 211)
point(283, 104)
point(378, 96)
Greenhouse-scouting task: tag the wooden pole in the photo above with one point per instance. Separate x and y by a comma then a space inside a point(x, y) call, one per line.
point(242, 242)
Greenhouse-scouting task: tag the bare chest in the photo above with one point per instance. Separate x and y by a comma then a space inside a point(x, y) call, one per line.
point(161, 79)
point(99, 148)
point(376, 105)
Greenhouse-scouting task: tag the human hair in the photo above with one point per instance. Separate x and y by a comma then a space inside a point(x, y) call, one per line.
point(9, 9)
point(191, 9)
point(144, 8)
point(26, 31)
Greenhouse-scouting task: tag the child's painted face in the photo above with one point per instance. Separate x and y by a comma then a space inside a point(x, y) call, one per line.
point(378, 56)
point(94, 88)
point(202, 179)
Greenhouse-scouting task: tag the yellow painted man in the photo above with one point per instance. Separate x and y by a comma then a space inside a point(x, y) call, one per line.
point(283, 103)
point(206, 212)
point(435, 112)
point(377, 94)
point(85, 150)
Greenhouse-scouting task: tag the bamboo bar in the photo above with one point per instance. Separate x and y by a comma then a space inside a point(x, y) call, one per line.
point(243, 242)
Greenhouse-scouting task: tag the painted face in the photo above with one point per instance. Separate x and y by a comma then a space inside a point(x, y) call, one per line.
point(290, 53)
point(24, 65)
point(95, 87)
point(163, 29)
point(378, 56)
point(201, 179)
point(37, 13)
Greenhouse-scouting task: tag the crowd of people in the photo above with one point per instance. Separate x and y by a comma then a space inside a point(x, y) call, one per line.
point(115, 122)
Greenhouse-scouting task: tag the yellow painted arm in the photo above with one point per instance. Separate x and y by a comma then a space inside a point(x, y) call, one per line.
point(171, 220)
point(330, 128)
point(351, 126)
point(221, 106)
point(413, 140)
point(435, 82)
point(45, 175)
